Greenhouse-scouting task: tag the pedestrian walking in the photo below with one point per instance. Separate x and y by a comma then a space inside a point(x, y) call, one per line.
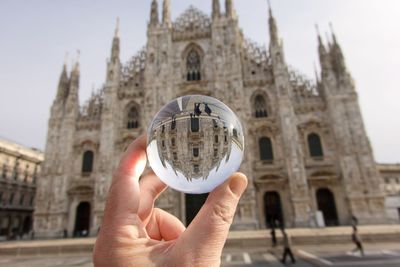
point(357, 241)
point(287, 247)
point(273, 236)
point(354, 222)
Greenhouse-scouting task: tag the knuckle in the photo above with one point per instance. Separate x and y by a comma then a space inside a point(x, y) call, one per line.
point(223, 212)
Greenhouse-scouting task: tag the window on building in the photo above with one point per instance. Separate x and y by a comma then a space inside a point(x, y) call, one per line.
point(26, 175)
point(195, 152)
point(31, 201)
point(87, 162)
point(173, 143)
point(314, 145)
point(215, 124)
point(173, 124)
point(216, 139)
point(195, 124)
point(215, 152)
point(11, 199)
point(21, 200)
point(193, 66)
point(260, 107)
point(175, 155)
point(133, 118)
point(235, 133)
point(35, 174)
point(15, 174)
point(266, 151)
point(4, 171)
point(196, 168)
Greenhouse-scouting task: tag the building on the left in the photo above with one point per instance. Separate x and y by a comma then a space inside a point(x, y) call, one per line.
point(20, 167)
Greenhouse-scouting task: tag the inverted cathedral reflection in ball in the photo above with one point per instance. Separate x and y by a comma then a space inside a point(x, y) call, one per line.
point(195, 143)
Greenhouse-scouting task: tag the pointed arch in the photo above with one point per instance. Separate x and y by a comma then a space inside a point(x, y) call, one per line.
point(315, 145)
point(259, 103)
point(132, 116)
point(266, 150)
point(260, 107)
point(87, 161)
point(193, 60)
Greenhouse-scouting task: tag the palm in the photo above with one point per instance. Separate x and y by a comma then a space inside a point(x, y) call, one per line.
point(134, 233)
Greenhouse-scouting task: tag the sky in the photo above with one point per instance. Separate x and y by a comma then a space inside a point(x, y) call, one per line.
point(36, 35)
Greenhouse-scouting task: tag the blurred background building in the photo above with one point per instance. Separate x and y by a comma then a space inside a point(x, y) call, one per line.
point(19, 169)
point(306, 144)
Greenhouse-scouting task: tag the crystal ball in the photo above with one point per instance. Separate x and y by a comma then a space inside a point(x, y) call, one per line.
point(195, 143)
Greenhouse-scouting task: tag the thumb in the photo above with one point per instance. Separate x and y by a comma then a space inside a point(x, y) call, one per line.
point(208, 231)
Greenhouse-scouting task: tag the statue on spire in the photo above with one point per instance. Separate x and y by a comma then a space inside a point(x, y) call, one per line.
point(216, 9)
point(63, 84)
point(336, 53)
point(154, 13)
point(115, 44)
point(116, 33)
point(273, 28)
point(229, 9)
point(76, 66)
point(167, 12)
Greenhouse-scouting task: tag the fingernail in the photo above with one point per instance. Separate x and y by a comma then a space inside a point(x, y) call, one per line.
point(238, 184)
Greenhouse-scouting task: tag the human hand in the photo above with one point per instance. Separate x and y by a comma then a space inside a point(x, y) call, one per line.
point(134, 233)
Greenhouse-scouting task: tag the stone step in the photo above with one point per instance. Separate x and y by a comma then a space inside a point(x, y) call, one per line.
point(237, 240)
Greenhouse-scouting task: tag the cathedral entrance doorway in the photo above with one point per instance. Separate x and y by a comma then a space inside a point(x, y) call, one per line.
point(27, 226)
point(273, 210)
point(193, 205)
point(326, 204)
point(82, 219)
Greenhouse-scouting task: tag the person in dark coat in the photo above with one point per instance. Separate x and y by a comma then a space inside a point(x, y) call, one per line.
point(354, 222)
point(273, 236)
point(287, 247)
point(357, 241)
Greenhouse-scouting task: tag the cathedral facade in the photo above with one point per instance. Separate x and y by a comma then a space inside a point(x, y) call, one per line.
point(306, 146)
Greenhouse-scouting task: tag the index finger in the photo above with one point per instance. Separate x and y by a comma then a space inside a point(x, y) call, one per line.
point(124, 195)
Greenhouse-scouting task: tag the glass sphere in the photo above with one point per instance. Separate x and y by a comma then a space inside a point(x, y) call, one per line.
point(195, 143)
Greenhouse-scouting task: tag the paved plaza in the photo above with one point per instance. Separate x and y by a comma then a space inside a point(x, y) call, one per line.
point(385, 255)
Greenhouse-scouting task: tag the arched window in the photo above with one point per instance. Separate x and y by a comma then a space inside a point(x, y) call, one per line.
point(314, 145)
point(260, 107)
point(133, 118)
point(195, 125)
point(193, 66)
point(266, 152)
point(87, 162)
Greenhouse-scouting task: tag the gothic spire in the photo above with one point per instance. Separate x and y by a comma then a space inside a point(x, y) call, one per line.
point(75, 73)
point(333, 33)
point(72, 101)
point(216, 9)
point(115, 44)
point(154, 13)
point(273, 29)
point(336, 54)
point(321, 46)
point(229, 9)
point(116, 32)
point(167, 12)
point(63, 83)
point(316, 73)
